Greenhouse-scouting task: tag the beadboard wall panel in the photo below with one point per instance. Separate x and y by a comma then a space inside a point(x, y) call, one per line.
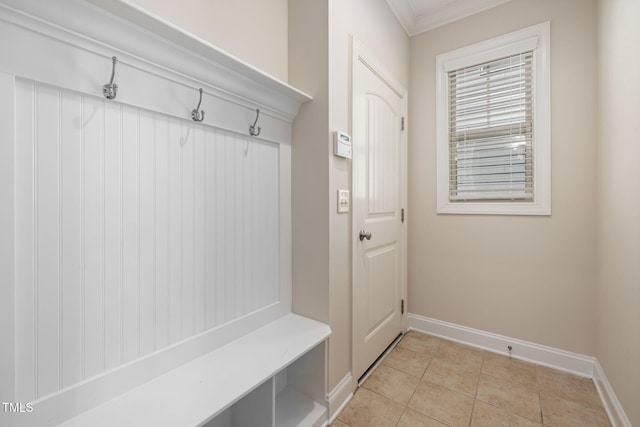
point(134, 231)
point(134, 240)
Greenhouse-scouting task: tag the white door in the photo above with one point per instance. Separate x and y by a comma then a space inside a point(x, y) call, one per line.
point(378, 200)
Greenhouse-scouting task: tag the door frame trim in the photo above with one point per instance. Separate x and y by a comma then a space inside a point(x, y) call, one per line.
point(361, 54)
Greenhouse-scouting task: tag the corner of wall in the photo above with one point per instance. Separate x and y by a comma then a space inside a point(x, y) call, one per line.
point(308, 70)
point(612, 405)
point(618, 234)
point(340, 396)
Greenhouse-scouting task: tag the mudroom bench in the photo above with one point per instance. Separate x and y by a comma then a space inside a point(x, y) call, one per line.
point(147, 275)
point(273, 376)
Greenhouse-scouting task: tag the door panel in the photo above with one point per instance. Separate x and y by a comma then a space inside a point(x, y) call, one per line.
point(382, 269)
point(382, 156)
point(378, 197)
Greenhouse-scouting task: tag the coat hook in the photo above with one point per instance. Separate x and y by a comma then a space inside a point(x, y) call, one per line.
point(252, 128)
point(196, 114)
point(110, 90)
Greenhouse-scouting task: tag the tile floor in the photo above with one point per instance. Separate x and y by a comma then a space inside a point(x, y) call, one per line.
point(429, 382)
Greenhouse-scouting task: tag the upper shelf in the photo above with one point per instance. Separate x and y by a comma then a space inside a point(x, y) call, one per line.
point(116, 22)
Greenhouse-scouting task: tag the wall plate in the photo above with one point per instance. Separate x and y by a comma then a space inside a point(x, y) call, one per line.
point(343, 201)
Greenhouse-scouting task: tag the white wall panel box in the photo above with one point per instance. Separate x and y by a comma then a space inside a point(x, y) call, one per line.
point(342, 144)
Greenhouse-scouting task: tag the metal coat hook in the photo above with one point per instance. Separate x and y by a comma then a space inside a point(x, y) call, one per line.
point(252, 128)
point(196, 114)
point(110, 90)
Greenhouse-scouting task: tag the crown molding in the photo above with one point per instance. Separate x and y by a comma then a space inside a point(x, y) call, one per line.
point(439, 15)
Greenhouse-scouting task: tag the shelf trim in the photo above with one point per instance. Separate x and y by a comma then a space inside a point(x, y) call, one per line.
point(115, 23)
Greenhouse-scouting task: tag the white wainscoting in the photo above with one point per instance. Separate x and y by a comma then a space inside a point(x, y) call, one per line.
point(134, 240)
point(134, 231)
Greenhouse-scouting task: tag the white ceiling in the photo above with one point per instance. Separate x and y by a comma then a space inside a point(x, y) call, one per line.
point(417, 16)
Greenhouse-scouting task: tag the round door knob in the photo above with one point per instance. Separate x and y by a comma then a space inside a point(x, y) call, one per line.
point(364, 235)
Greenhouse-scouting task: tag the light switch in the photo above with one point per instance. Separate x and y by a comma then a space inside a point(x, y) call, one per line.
point(343, 201)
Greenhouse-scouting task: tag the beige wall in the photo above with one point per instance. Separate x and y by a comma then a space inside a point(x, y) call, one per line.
point(254, 31)
point(530, 278)
point(309, 71)
point(321, 236)
point(618, 292)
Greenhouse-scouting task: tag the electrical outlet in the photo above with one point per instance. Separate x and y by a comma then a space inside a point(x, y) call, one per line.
point(343, 201)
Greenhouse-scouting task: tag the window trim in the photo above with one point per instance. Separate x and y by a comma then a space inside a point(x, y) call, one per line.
point(536, 38)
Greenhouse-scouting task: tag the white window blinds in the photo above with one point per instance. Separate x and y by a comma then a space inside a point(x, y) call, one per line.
point(491, 130)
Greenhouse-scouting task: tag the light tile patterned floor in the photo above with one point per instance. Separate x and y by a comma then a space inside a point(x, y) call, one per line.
point(429, 382)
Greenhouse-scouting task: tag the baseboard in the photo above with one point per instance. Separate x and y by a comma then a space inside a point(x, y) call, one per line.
point(616, 413)
point(338, 398)
point(562, 360)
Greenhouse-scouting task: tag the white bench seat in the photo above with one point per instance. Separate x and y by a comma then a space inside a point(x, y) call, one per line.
point(197, 392)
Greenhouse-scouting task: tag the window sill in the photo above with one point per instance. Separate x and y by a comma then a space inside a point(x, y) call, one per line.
point(495, 208)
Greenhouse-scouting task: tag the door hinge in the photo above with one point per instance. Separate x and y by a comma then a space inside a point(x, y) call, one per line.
point(402, 123)
point(401, 306)
point(402, 214)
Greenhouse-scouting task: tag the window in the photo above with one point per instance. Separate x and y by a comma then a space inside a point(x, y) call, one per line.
point(490, 130)
point(493, 132)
